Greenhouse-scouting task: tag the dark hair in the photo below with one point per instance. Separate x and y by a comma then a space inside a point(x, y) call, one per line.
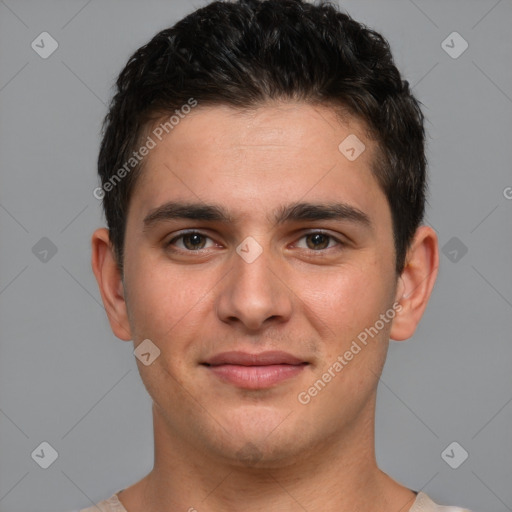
point(248, 52)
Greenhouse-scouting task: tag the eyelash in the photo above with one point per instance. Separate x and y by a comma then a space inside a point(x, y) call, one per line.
point(169, 244)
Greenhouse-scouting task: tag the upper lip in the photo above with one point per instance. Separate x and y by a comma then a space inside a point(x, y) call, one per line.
point(248, 359)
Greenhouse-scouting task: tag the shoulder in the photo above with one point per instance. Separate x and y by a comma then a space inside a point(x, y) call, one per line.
point(112, 504)
point(424, 504)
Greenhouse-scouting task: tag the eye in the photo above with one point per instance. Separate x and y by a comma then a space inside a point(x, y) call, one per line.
point(194, 241)
point(191, 241)
point(318, 240)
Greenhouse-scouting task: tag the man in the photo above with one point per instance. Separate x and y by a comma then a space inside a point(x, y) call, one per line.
point(263, 180)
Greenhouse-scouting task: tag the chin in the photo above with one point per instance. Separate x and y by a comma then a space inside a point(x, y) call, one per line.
point(263, 455)
point(262, 439)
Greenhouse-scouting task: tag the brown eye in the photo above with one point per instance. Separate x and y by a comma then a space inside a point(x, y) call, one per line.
point(320, 242)
point(317, 241)
point(193, 241)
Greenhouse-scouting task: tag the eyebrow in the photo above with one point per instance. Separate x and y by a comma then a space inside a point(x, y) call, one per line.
point(288, 213)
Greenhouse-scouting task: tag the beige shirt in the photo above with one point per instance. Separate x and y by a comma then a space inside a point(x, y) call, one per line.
point(422, 504)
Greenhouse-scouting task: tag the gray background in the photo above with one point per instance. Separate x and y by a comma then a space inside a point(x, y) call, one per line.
point(65, 379)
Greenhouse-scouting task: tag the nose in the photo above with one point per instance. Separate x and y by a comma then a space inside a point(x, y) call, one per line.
point(254, 293)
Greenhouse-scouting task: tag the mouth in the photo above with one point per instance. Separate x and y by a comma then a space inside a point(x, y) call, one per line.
point(255, 371)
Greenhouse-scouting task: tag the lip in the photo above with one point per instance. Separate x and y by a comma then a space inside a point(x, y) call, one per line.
point(273, 357)
point(255, 371)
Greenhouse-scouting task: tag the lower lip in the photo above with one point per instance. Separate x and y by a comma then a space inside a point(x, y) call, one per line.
point(256, 377)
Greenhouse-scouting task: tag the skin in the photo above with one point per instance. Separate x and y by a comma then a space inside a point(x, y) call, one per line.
point(219, 447)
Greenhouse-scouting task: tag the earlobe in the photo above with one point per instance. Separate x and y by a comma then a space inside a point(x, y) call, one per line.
point(110, 283)
point(416, 283)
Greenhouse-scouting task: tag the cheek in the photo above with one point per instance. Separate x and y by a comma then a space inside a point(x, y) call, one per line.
point(342, 305)
point(163, 298)
point(345, 297)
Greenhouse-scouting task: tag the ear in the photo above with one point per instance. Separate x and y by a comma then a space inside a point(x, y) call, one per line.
point(416, 283)
point(111, 286)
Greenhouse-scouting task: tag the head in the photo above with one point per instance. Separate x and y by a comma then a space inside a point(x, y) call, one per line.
point(246, 54)
point(264, 124)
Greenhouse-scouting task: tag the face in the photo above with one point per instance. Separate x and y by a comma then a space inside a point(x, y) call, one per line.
point(256, 255)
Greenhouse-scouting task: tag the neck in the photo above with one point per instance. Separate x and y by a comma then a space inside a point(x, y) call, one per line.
point(340, 476)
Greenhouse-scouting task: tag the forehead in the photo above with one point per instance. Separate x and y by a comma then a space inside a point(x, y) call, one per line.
point(314, 130)
point(267, 154)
